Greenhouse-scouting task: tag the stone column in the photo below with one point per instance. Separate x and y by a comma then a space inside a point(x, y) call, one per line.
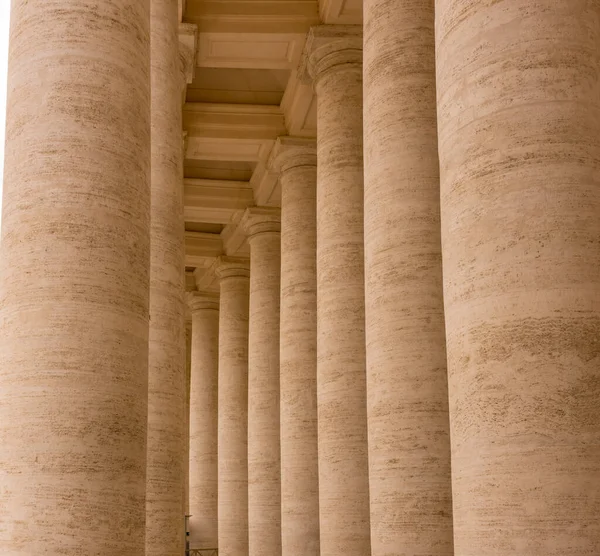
point(233, 406)
point(188, 372)
point(74, 280)
point(519, 140)
point(166, 388)
point(409, 444)
point(262, 226)
point(203, 420)
point(296, 161)
point(335, 61)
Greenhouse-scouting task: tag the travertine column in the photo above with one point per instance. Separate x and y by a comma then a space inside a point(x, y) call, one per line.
point(519, 139)
point(166, 388)
point(409, 444)
point(296, 160)
point(233, 407)
point(262, 226)
point(335, 61)
point(188, 372)
point(203, 420)
point(74, 270)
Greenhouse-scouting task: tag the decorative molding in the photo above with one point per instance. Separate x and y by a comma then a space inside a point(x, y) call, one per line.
point(330, 47)
point(258, 16)
point(235, 150)
point(291, 152)
point(345, 12)
point(188, 46)
point(261, 220)
point(249, 50)
point(201, 248)
point(202, 301)
point(215, 201)
point(242, 121)
point(299, 106)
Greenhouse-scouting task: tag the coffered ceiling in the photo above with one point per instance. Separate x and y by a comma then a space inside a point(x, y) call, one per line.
point(243, 94)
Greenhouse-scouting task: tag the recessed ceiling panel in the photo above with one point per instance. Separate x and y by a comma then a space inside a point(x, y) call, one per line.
point(238, 86)
point(218, 170)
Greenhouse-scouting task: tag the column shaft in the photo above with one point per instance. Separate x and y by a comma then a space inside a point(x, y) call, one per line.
point(409, 444)
point(233, 408)
point(264, 483)
point(203, 421)
point(298, 355)
point(74, 279)
point(166, 389)
point(519, 140)
point(341, 381)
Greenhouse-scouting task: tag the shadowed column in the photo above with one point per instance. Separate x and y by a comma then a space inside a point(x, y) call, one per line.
point(409, 442)
point(262, 226)
point(203, 420)
point(519, 143)
point(74, 279)
point(233, 406)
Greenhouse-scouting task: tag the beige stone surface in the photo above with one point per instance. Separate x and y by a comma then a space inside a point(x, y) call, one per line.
point(188, 373)
point(519, 140)
point(166, 380)
point(203, 420)
point(263, 226)
point(296, 161)
point(335, 61)
point(74, 270)
point(233, 406)
point(409, 444)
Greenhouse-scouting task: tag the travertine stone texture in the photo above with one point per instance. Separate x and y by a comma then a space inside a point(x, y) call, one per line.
point(335, 61)
point(262, 226)
point(188, 373)
point(166, 380)
point(233, 406)
point(409, 444)
point(74, 279)
point(519, 140)
point(296, 161)
point(203, 420)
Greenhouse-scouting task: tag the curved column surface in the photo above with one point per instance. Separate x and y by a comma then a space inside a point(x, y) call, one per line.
point(233, 407)
point(74, 279)
point(336, 64)
point(166, 388)
point(519, 136)
point(203, 420)
point(188, 373)
point(262, 226)
point(409, 444)
point(296, 161)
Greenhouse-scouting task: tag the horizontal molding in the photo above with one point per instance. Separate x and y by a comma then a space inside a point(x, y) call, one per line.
point(233, 121)
point(215, 201)
point(249, 50)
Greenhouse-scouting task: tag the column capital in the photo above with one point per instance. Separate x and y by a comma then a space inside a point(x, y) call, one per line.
point(232, 267)
point(331, 48)
point(188, 43)
point(292, 152)
point(261, 220)
point(198, 301)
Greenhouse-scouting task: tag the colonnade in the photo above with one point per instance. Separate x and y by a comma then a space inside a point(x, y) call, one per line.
point(408, 363)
